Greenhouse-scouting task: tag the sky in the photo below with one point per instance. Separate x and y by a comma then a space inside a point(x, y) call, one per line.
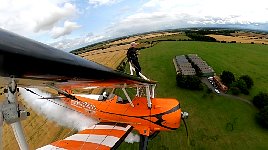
point(71, 24)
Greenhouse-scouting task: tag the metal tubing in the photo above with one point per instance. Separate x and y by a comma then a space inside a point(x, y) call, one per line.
point(128, 98)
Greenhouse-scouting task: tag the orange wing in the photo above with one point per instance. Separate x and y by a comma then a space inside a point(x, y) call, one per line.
point(105, 135)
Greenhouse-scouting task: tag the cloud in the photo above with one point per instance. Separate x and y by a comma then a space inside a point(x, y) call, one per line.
point(71, 44)
point(143, 22)
point(67, 28)
point(246, 10)
point(31, 18)
point(54, 16)
point(164, 14)
point(102, 2)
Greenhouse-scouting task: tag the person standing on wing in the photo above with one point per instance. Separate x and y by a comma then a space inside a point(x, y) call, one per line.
point(132, 56)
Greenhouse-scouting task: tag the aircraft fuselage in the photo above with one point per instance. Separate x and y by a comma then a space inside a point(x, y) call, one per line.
point(165, 113)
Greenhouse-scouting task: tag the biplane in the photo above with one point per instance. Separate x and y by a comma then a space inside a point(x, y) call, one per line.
point(26, 63)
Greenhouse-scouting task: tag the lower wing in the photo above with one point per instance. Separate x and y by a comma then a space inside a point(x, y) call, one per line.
point(102, 136)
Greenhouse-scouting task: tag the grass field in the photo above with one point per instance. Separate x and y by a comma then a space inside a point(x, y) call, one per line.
point(215, 122)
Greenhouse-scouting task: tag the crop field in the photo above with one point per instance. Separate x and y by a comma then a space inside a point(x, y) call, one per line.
point(142, 37)
point(110, 57)
point(242, 38)
point(215, 122)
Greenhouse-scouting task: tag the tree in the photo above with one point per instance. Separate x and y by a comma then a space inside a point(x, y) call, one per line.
point(262, 117)
point(189, 82)
point(235, 90)
point(241, 84)
point(193, 82)
point(179, 80)
point(227, 78)
point(261, 100)
point(248, 81)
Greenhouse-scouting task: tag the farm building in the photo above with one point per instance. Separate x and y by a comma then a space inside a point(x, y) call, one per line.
point(183, 66)
point(204, 68)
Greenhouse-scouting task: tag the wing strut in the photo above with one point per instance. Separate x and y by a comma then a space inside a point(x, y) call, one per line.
point(148, 94)
point(153, 88)
point(128, 98)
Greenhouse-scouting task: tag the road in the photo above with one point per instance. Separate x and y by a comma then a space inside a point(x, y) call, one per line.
point(209, 85)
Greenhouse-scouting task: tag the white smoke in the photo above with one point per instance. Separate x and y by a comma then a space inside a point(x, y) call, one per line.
point(57, 113)
point(131, 138)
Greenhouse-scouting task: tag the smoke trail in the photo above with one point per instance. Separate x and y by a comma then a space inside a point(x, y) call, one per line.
point(131, 138)
point(59, 114)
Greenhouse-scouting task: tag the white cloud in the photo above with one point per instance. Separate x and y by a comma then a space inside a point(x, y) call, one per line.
point(162, 14)
point(245, 10)
point(46, 22)
point(71, 44)
point(30, 16)
point(67, 28)
point(102, 2)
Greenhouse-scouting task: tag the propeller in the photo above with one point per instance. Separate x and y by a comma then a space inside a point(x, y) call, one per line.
point(143, 142)
point(184, 116)
point(12, 112)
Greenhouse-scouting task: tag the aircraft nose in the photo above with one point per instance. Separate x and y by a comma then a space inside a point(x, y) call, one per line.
point(184, 115)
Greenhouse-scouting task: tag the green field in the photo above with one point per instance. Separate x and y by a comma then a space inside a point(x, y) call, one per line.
point(215, 122)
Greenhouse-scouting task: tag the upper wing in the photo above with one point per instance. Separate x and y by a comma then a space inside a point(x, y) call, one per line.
point(28, 59)
point(105, 135)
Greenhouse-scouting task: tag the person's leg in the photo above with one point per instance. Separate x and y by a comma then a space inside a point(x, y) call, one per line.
point(137, 67)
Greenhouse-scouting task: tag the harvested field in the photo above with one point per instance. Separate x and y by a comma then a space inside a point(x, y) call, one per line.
point(242, 38)
point(110, 57)
point(141, 37)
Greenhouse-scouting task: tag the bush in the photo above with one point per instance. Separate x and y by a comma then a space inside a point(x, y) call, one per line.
point(262, 117)
point(235, 90)
point(227, 78)
point(261, 100)
point(241, 84)
point(248, 81)
point(209, 90)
